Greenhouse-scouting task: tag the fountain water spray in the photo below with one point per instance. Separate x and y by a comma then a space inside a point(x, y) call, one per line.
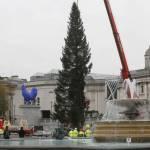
point(130, 88)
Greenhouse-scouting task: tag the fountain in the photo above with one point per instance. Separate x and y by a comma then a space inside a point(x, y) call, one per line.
point(124, 121)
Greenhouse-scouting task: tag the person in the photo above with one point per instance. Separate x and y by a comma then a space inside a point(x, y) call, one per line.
point(81, 133)
point(6, 133)
point(21, 132)
point(75, 133)
point(59, 133)
point(71, 133)
point(88, 131)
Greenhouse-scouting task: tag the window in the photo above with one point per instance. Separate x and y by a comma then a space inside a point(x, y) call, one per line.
point(111, 87)
point(111, 96)
point(142, 89)
point(38, 101)
point(45, 114)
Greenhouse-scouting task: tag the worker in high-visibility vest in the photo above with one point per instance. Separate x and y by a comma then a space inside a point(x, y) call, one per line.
point(88, 132)
point(75, 132)
point(87, 126)
point(71, 133)
point(81, 133)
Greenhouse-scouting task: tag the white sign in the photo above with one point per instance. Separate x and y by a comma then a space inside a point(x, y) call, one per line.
point(128, 140)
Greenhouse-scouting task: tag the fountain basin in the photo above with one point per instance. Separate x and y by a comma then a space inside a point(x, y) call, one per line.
point(120, 131)
point(125, 120)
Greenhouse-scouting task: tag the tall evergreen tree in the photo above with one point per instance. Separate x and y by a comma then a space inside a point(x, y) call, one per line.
point(70, 99)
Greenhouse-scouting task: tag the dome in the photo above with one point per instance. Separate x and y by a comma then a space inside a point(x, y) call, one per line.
point(147, 53)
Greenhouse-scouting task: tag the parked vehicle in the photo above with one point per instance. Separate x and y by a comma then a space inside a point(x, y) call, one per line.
point(42, 133)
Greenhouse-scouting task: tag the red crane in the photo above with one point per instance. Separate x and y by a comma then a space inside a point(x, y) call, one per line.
point(125, 70)
point(128, 82)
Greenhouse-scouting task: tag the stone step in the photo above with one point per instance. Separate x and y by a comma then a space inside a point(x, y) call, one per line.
point(123, 125)
point(119, 131)
point(120, 135)
point(124, 131)
point(124, 122)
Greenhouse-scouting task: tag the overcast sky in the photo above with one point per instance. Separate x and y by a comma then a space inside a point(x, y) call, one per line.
point(32, 34)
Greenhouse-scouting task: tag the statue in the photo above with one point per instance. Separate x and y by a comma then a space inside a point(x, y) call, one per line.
point(29, 96)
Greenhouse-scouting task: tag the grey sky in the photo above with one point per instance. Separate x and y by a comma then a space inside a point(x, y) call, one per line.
point(32, 34)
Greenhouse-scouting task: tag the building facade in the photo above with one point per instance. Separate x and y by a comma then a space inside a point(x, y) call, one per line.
point(7, 89)
point(96, 92)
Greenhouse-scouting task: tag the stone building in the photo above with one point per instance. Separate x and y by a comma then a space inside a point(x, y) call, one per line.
point(7, 89)
point(45, 84)
point(96, 92)
point(142, 77)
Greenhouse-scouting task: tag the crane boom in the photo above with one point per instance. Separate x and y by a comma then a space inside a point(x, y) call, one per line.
point(125, 70)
